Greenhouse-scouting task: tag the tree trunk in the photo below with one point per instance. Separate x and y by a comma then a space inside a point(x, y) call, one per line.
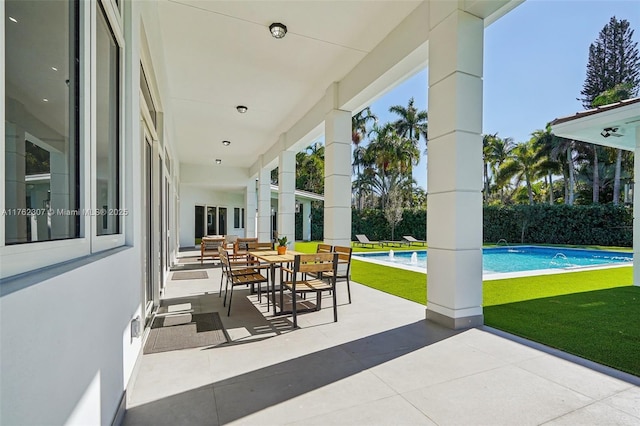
point(550, 188)
point(486, 183)
point(530, 190)
point(616, 181)
point(571, 175)
point(596, 176)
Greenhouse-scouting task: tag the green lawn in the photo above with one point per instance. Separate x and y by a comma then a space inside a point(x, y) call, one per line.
point(600, 325)
point(592, 314)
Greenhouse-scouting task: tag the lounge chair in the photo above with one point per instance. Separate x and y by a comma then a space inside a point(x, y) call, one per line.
point(364, 241)
point(209, 247)
point(393, 243)
point(411, 240)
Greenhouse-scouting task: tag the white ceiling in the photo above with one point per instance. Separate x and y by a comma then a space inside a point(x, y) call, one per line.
point(220, 54)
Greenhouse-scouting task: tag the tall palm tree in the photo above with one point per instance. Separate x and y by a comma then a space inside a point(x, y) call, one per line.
point(487, 141)
point(358, 132)
point(411, 124)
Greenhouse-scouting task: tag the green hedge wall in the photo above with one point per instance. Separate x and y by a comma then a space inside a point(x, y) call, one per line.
point(604, 224)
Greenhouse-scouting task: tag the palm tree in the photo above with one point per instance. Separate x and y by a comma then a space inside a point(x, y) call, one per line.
point(411, 125)
point(487, 141)
point(544, 142)
point(522, 164)
point(358, 132)
point(498, 152)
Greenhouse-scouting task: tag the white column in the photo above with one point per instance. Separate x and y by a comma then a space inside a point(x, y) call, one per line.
point(306, 220)
point(250, 203)
point(454, 222)
point(287, 196)
point(264, 205)
point(636, 211)
point(337, 178)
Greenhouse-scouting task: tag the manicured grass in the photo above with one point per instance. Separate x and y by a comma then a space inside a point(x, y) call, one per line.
point(598, 325)
point(497, 292)
point(399, 282)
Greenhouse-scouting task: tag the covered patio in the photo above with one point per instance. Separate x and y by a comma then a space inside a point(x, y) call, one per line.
point(379, 364)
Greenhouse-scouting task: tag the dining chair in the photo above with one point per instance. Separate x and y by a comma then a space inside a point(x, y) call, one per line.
point(238, 275)
point(302, 282)
point(344, 267)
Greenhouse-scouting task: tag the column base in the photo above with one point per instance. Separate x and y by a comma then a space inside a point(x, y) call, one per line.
point(455, 323)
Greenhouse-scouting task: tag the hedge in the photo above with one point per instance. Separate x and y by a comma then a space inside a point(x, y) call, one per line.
point(603, 224)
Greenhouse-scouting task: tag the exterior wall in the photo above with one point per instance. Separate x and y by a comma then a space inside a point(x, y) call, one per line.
point(67, 352)
point(191, 196)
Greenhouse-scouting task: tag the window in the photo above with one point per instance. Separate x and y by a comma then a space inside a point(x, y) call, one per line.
point(107, 130)
point(242, 216)
point(42, 187)
point(236, 217)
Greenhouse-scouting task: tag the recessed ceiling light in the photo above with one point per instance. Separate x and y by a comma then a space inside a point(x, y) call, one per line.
point(45, 100)
point(226, 143)
point(12, 19)
point(278, 30)
point(241, 109)
point(218, 161)
point(54, 68)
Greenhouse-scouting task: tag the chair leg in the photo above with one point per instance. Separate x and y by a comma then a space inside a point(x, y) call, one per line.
point(335, 304)
point(221, 279)
point(318, 300)
point(294, 309)
point(349, 289)
point(226, 289)
point(230, 297)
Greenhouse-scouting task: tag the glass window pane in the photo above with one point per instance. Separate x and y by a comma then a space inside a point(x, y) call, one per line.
point(108, 129)
point(41, 121)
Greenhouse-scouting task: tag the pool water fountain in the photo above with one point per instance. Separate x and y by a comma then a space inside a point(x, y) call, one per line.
point(391, 254)
point(414, 258)
point(560, 259)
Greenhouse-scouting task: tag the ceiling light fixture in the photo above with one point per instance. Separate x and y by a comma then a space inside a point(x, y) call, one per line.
point(242, 109)
point(54, 68)
point(218, 161)
point(226, 143)
point(278, 30)
point(12, 19)
point(45, 100)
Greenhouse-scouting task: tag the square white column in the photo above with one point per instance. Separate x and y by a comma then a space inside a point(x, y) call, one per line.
point(636, 212)
point(337, 178)
point(287, 196)
point(264, 205)
point(250, 203)
point(454, 221)
point(306, 220)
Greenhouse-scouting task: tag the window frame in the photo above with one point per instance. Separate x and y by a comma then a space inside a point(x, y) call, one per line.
point(113, 19)
point(18, 259)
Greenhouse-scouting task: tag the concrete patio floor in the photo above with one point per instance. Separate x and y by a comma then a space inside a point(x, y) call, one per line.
point(381, 363)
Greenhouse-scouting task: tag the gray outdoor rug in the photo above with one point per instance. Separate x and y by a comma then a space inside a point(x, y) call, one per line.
point(185, 331)
point(190, 275)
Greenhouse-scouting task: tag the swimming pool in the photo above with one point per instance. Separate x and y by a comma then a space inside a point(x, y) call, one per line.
point(515, 258)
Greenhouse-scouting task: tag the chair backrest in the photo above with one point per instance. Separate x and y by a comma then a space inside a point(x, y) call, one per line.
point(230, 239)
point(318, 262)
point(256, 246)
point(224, 258)
point(362, 238)
point(243, 243)
point(324, 248)
point(344, 260)
point(212, 243)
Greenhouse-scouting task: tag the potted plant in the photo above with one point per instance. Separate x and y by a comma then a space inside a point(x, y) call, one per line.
point(282, 245)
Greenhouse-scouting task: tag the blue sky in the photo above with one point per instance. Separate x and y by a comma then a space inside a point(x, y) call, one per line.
point(535, 61)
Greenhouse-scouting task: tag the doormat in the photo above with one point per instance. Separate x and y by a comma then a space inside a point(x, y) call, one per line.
point(184, 331)
point(190, 275)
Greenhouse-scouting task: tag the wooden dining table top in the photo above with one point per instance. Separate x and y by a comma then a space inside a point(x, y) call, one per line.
point(272, 256)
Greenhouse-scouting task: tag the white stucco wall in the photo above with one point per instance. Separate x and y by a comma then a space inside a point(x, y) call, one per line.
point(67, 355)
point(191, 196)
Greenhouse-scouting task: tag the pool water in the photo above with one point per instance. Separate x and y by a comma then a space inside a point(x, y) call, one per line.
point(517, 259)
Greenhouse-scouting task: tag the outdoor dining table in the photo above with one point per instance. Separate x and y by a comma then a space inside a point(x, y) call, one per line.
point(273, 259)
